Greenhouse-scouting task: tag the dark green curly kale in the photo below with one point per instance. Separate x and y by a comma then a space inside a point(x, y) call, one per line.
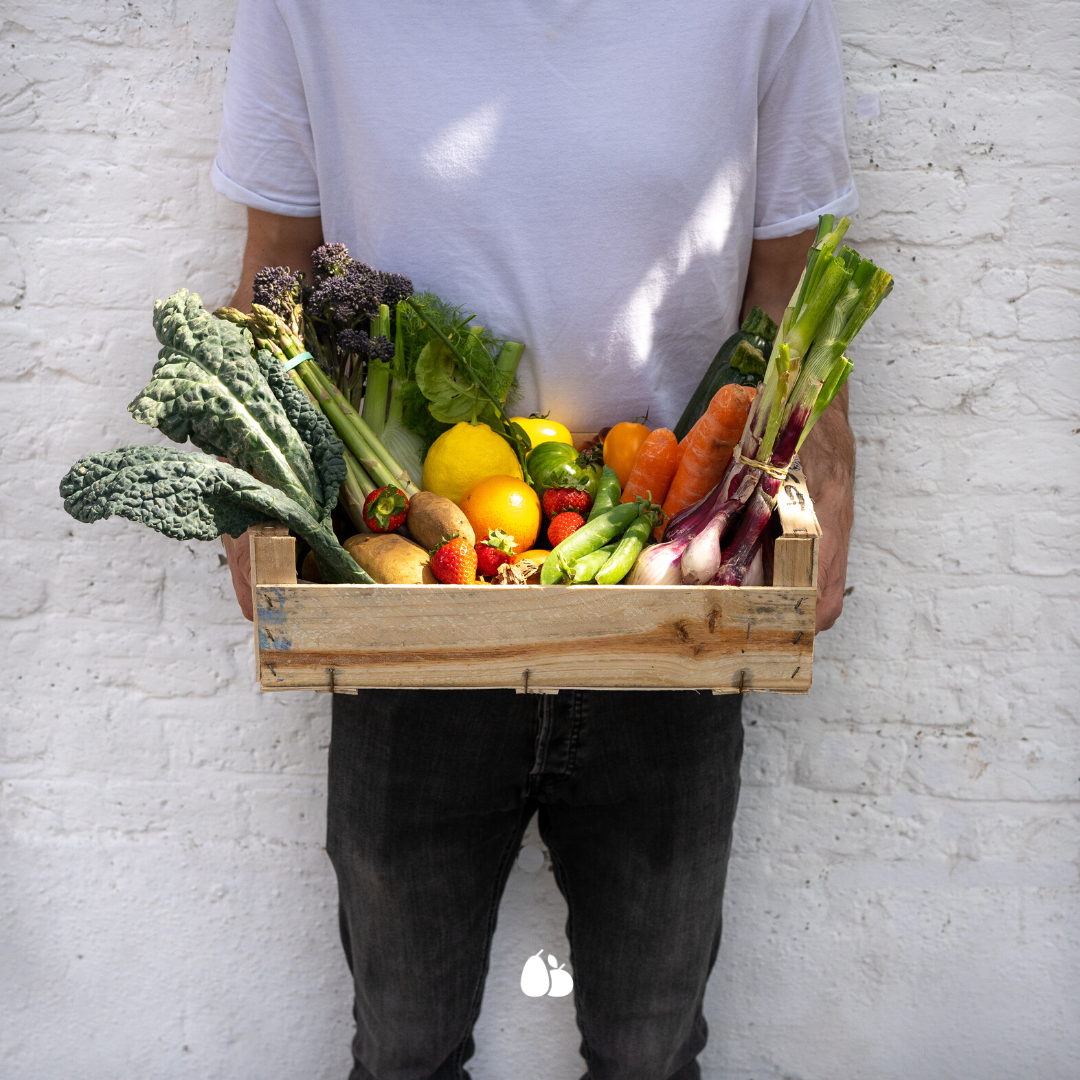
point(327, 453)
point(207, 387)
point(191, 496)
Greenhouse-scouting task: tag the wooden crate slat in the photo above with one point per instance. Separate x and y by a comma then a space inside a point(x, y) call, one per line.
point(612, 636)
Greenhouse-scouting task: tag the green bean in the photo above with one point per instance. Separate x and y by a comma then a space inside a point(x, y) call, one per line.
point(607, 493)
point(592, 535)
point(583, 570)
point(622, 561)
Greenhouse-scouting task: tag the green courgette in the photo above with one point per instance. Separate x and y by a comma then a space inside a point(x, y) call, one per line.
point(741, 359)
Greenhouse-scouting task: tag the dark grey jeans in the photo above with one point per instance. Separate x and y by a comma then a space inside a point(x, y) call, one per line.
point(430, 792)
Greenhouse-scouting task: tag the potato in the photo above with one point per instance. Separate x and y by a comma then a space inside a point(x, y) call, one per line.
point(391, 559)
point(431, 517)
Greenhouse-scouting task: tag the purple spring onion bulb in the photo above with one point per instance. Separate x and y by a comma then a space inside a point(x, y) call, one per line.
point(658, 565)
point(755, 572)
point(739, 553)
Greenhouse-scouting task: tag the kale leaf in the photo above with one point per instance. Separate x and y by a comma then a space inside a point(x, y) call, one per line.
point(192, 496)
point(207, 387)
point(311, 425)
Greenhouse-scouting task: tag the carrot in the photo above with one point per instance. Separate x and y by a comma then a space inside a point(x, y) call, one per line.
point(709, 446)
point(654, 467)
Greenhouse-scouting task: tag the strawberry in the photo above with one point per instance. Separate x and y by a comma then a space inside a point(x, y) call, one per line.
point(453, 562)
point(563, 525)
point(558, 500)
point(385, 509)
point(491, 553)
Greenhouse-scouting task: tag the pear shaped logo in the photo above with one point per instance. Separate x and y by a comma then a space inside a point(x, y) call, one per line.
point(538, 981)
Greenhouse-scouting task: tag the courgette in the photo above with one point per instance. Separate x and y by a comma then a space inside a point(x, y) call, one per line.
point(741, 359)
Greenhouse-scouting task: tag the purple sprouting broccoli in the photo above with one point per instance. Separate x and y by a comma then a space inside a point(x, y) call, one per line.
point(373, 348)
point(281, 290)
point(394, 289)
point(344, 299)
point(330, 260)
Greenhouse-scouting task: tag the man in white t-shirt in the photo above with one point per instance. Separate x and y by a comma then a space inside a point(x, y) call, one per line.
point(612, 182)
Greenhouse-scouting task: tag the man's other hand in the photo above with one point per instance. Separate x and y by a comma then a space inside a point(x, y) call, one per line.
point(238, 553)
point(828, 459)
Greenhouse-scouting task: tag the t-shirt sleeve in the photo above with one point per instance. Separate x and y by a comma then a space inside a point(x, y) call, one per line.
point(802, 158)
point(266, 155)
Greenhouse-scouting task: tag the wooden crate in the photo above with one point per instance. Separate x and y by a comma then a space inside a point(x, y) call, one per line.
point(540, 639)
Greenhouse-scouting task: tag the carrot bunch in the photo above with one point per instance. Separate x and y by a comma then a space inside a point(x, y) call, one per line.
point(654, 467)
point(706, 451)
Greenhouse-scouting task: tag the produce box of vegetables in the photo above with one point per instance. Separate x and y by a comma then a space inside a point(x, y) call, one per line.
point(375, 425)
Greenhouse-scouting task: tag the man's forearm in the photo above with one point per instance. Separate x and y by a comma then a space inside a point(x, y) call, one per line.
point(274, 240)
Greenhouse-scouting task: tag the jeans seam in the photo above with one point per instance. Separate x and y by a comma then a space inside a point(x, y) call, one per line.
point(493, 910)
point(578, 712)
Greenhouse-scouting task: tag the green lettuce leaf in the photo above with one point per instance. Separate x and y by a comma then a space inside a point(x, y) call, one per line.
point(192, 496)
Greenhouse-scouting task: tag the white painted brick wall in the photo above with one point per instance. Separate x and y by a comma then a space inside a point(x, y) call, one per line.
point(903, 895)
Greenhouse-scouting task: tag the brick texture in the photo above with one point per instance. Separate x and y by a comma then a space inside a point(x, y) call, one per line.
point(904, 888)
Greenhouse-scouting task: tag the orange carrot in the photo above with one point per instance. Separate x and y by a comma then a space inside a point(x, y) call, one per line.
point(709, 446)
point(654, 467)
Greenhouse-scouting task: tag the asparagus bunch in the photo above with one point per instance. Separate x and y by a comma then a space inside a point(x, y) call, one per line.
point(368, 463)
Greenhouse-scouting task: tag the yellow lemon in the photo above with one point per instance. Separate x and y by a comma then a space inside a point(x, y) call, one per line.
point(540, 430)
point(463, 456)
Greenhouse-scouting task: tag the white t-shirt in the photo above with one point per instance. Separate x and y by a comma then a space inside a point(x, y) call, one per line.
point(586, 175)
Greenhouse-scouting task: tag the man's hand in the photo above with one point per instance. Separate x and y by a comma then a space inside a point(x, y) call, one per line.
point(238, 552)
point(828, 459)
point(272, 240)
point(828, 455)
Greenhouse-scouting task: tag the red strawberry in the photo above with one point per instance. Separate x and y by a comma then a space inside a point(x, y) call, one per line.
point(453, 562)
point(558, 500)
point(385, 509)
point(491, 553)
point(563, 525)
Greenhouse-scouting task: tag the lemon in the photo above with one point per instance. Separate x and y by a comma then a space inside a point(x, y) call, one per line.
point(464, 455)
point(541, 430)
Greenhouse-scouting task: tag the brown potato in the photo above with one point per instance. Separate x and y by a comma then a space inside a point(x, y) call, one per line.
point(391, 559)
point(431, 517)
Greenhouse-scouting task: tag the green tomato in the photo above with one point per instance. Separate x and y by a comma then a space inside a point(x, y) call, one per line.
point(559, 465)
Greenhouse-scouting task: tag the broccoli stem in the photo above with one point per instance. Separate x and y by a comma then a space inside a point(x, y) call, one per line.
point(378, 384)
point(378, 377)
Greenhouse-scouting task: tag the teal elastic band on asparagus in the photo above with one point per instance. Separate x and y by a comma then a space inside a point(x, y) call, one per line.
point(297, 360)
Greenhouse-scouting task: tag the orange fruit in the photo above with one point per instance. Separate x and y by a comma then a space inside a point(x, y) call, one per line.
point(503, 502)
point(536, 555)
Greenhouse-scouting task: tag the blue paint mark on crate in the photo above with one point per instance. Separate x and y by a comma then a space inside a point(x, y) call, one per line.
point(270, 639)
point(272, 618)
point(271, 605)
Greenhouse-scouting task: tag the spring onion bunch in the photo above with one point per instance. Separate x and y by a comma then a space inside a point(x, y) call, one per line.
point(837, 292)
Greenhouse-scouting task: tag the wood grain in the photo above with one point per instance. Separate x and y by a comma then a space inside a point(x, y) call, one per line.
point(795, 553)
point(269, 545)
point(489, 636)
